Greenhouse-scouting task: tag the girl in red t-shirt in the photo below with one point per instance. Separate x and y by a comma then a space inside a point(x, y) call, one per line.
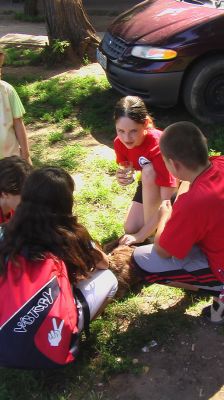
point(137, 141)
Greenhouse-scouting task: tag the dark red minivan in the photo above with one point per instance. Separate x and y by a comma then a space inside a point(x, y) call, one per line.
point(168, 50)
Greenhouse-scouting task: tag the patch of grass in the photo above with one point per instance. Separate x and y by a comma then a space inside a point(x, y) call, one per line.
point(86, 60)
point(55, 137)
point(69, 157)
point(17, 56)
point(103, 164)
point(38, 154)
point(27, 18)
point(7, 12)
point(58, 97)
point(68, 126)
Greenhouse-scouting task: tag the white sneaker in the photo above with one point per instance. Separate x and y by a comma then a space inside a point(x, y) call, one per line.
point(215, 312)
point(143, 161)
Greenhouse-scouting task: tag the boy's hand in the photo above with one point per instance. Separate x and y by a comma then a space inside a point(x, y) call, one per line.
point(165, 209)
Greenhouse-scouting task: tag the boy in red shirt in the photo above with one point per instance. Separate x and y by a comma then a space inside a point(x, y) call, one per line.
point(137, 142)
point(188, 247)
point(13, 172)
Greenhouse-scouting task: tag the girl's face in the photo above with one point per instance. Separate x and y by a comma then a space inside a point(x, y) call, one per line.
point(131, 133)
point(9, 202)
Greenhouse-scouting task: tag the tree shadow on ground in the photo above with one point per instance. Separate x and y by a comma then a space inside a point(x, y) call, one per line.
point(187, 362)
point(179, 365)
point(96, 114)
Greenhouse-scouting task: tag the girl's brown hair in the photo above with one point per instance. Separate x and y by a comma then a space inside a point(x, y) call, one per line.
point(43, 223)
point(132, 107)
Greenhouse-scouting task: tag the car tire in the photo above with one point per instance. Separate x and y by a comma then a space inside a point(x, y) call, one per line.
point(203, 91)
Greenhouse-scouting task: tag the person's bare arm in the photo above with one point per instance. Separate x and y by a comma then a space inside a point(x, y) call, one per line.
point(20, 132)
point(165, 211)
point(167, 192)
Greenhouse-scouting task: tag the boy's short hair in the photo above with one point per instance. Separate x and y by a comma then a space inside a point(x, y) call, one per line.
point(13, 172)
point(183, 141)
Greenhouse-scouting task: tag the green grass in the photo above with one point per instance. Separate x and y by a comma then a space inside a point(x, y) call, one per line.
point(17, 56)
point(89, 102)
point(27, 18)
point(55, 137)
point(76, 107)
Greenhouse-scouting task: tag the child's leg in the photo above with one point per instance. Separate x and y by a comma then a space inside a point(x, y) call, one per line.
point(134, 220)
point(98, 290)
point(167, 192)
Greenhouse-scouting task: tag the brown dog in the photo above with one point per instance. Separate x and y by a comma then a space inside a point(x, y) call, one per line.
point(122, 264)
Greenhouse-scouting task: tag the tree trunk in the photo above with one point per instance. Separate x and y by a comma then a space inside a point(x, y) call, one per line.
point(67, 20)
point(30, 8)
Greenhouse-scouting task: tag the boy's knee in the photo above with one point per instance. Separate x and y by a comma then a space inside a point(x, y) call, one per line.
point(148, 174)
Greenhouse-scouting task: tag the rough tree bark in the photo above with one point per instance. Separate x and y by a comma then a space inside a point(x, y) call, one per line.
point(67, 20)
point(30, 8)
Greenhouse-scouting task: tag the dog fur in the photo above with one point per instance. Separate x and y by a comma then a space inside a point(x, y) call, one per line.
point(129, 275)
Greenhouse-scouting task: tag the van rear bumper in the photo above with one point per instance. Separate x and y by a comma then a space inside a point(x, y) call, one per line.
point(161, 89)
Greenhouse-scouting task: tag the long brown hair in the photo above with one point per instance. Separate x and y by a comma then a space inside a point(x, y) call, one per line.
point(43, 223)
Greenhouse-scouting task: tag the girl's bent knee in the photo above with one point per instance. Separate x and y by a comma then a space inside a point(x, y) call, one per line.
point(148, 175)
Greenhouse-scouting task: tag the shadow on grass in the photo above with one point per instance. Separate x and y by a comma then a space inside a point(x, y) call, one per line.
point(97, 115)
point(99, 356)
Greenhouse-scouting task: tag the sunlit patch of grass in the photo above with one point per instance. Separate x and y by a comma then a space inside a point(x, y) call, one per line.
point(103, 164)
point(69, 157)
point(38, 154)
point(68, 126)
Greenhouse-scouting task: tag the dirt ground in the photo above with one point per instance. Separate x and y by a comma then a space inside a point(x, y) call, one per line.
point(190, 368)
point(187, 367)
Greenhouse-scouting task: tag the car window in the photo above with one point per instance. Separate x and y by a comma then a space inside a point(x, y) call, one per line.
point(206, 3)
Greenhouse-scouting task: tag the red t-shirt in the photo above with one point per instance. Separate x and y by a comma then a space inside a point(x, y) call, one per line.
point(198, 218)
point(149, 149)
point(5, 218)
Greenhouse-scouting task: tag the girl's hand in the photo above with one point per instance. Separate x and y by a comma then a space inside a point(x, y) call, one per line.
point(123, 178)
point(128, 240)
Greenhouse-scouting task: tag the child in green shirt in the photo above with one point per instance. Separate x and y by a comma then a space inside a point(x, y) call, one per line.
point(13, 138)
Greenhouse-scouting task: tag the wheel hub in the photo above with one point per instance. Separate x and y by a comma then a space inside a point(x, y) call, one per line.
point(214, 94)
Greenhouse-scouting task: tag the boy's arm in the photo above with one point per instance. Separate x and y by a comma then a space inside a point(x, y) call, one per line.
point(165, 211)
point(20, 132)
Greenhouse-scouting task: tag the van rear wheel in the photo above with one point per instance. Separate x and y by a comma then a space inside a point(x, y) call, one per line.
point(203, 91)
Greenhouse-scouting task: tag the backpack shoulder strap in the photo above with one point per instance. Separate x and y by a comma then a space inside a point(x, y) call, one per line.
point(79, 295)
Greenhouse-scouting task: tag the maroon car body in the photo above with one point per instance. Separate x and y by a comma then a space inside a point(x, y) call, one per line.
point(195, 34)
